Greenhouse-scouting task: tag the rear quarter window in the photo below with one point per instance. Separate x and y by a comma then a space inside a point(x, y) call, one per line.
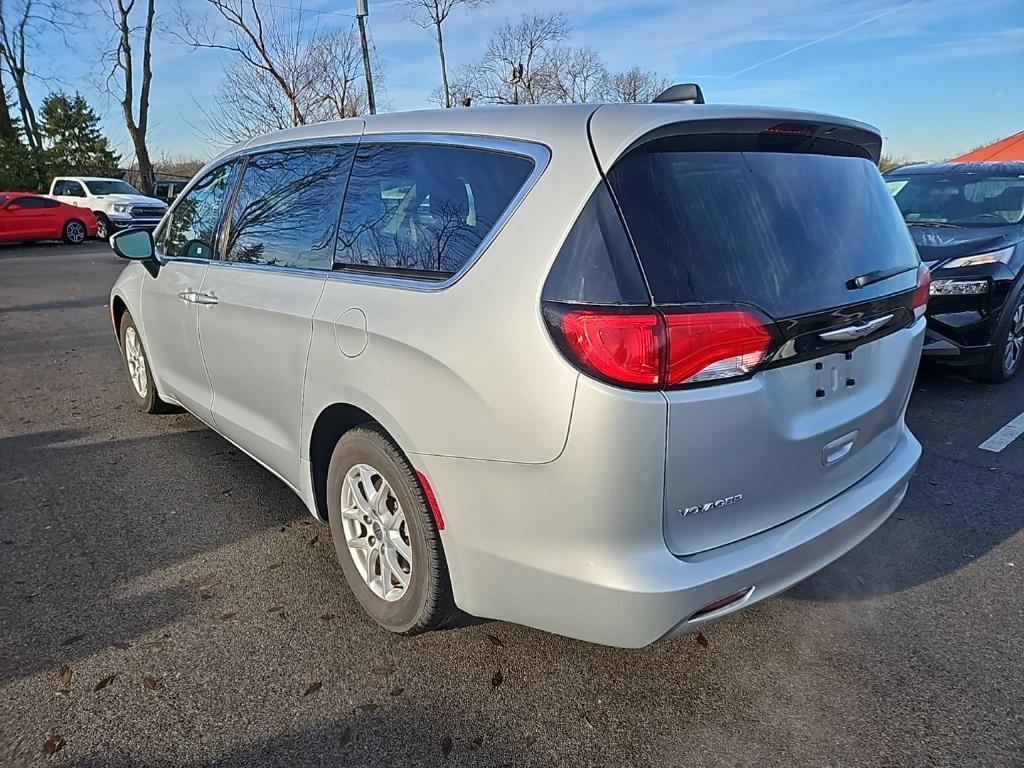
point(423, 210)
point(783, 231)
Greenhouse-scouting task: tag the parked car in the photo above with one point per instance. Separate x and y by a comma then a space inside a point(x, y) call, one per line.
point(116, 203)
point(968, 222)
point(611, 371)
point(25, 217)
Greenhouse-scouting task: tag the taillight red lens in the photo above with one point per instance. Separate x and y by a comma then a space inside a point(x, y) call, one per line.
point(924, 285)
point(650, 349)
point(703, 346)
point(625, 348)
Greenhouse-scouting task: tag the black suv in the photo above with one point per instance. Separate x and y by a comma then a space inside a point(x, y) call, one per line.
point(968, 222)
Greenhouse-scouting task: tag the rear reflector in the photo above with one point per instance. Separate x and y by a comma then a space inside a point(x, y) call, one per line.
point(924, 282)
point(435, 510)
point(725, 602)
point(651, 349)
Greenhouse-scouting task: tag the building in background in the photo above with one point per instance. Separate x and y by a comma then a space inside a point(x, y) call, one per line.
point(1010, 148)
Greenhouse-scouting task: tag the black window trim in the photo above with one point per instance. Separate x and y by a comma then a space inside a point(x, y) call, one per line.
point(539, 154)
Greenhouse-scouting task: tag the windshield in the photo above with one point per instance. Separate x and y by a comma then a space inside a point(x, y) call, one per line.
point(111, 187)
point(963, 200)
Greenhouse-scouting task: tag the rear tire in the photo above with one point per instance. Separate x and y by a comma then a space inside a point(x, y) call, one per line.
point(370, 485)
point(1008, 353)
point(74, 232)
point(140, 377)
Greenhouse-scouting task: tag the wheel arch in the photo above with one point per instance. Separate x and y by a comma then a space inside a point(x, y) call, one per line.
point(118, 307)
point(328, 428)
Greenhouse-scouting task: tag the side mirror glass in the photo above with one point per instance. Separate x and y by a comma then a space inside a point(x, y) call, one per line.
point(134, 244)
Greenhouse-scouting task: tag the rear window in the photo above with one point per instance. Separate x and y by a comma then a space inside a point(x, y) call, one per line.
point(782, 231)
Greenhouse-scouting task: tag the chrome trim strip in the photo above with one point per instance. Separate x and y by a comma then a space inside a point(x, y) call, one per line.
point(281, 268)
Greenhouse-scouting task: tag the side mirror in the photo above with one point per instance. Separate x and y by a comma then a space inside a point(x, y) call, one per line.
point(136, 245)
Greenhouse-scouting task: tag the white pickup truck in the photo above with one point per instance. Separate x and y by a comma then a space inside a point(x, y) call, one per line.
point(116, 203)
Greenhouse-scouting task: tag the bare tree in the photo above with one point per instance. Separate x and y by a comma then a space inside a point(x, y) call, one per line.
point(128, 70)
point(635, 85)
point(21, 21)
point(518, 66)
point(577, 75)
point(433, 13)
point(284, 73)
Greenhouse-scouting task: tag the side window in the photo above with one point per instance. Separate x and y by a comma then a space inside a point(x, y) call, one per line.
point(422, 210)
point(36, 202)
point(286, 210)
point(190, 229)
point(60, 188)
point(68, 189)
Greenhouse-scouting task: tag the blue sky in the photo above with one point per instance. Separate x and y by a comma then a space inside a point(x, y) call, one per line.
point(939, 77)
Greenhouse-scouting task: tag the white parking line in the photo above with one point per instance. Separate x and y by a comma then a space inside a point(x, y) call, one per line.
point(1004, 436)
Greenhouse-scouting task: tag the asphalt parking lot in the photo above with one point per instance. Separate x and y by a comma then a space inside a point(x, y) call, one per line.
point(165, 601)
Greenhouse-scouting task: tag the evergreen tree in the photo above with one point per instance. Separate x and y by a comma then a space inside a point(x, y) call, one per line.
point(74, 143)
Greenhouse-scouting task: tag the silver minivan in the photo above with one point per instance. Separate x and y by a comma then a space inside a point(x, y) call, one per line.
point(613, 371)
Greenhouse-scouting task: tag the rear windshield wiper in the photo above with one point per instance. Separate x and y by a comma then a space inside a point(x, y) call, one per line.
point(870, 278)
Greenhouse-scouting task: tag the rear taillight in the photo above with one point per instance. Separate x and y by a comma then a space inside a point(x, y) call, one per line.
point(651, 349)
point(924, 283)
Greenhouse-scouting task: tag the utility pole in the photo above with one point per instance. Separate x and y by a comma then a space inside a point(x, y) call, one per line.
point(362, 11)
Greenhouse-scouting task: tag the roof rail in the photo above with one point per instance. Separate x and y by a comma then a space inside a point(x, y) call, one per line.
point(680, 93)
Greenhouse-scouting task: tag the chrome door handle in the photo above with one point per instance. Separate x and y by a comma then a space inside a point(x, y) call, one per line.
point(194, 297)
point(855, 331)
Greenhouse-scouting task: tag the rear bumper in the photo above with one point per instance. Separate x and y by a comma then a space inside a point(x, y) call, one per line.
point(938, 346)
point(557, 547)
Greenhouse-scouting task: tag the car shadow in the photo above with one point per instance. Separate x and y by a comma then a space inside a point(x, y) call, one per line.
point(962, 503)
point(92, 530)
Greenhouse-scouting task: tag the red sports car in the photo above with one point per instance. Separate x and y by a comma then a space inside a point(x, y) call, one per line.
point(25, 216)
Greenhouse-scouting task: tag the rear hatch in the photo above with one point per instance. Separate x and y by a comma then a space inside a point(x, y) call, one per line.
point(783, 224)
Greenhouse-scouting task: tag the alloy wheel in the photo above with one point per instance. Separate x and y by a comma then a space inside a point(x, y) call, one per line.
point(376, 532)
point(136, 361)
point(1015, 340)
point(75, 232)
point(101, 228)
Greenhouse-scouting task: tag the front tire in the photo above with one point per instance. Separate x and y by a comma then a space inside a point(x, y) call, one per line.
point(384, 534)
point(74, 232)
point(1008, 353)
point(140, 376)
point(103, 228)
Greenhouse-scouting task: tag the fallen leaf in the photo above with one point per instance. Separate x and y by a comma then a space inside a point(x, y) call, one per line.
point(495, 640)
point(367, 707)
point(275, 565)
point(447, 745)
point(587, 720)
point(53, 745)
point(123, 645)
point(397, 691)
point(313, 688)
point(150, 682)
point(498, 679)
point(275, 608)
point(207, 595)
point(65, 674)
point(103, 683)
point(73, 639)
point(474, 745)
point(328, 616)
point(382, 671)
point(314, 540)
point(531, 740)
point(701, 640)
point(228, 615)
